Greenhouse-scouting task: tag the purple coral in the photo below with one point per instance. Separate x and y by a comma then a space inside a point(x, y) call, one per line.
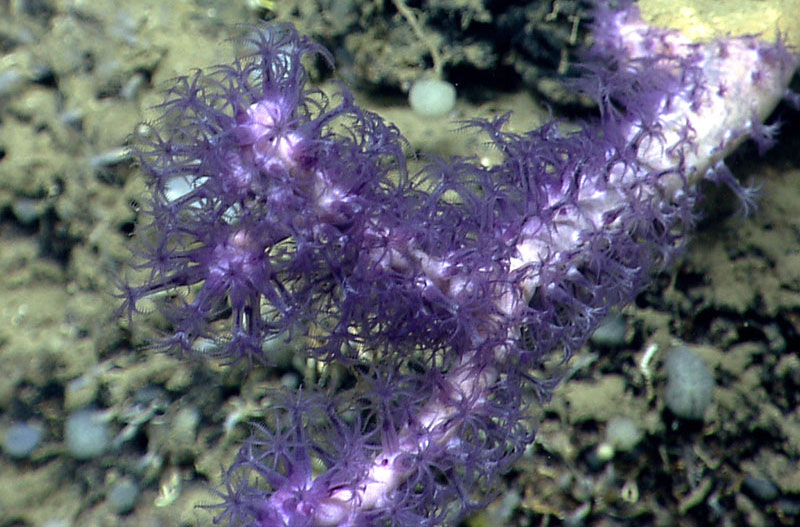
point(443, 291)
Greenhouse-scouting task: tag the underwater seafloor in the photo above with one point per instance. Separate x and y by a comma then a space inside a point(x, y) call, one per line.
point(75, 79)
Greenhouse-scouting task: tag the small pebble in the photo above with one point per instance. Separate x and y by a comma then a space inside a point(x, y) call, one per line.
point(21, 439)
point(122, 495)
point(25, 210)
point(86, 434)
point(432, 97)
point(623, 434)
point(761, 488)
point(689, 384)
point(611, 333)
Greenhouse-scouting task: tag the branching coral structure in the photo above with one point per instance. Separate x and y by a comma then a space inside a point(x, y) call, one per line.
point(442, 292)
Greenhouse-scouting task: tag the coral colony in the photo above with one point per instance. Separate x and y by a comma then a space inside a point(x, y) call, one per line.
point(441, 293)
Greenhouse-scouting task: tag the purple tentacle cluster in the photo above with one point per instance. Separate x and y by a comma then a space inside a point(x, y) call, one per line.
point(279, 215)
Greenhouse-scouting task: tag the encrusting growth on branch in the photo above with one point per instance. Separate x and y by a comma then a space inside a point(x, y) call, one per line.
point(442, 292)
